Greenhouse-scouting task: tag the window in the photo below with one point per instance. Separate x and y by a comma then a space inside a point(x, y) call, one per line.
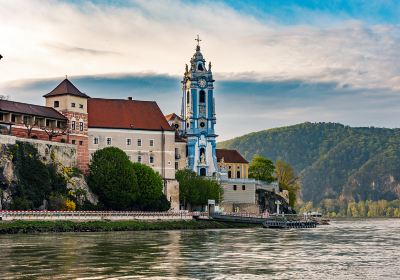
point(1, 117)
point(234, 187)
point(81, 143)
point(200, 67)
point(56, 104)
point(95, 140)
point(188, 97)
point(128, 141)
point(169, 163)
point(243, 187)
point(73, 125)
point(13, 117)
point(229, 174)
point(238, 174)
point(108, 141)
point(151, 143)
point(176, 165)
point(73, 105)
point(139, 142)
point(73, 142)
point(202, 96)
point(81, 126)
point(202, 124)
point(139, 159)
point(80, 106)
point(151, 159)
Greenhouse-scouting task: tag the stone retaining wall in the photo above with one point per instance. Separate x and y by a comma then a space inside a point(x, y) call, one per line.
point(61, 152)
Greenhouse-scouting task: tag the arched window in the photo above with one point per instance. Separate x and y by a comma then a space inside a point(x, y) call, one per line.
point(188, 97)
point(238, 174)
point(200, 67)
point(202, 96)
point(229, 174)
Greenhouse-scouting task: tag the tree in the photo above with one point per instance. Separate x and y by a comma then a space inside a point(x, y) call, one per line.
point(287, 180)
point(36, 181)
point(261, 168)
point(195, 190)
point(150, 189)
point(54, 131)
point(29, 125)
point(112, 178)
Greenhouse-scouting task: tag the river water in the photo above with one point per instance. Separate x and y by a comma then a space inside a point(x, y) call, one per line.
point(351, 249)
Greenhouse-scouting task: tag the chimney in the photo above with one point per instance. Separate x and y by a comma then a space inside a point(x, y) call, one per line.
point(129, 98)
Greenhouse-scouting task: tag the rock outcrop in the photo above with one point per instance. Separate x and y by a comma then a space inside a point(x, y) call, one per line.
point(79, 186)
point(8, 178)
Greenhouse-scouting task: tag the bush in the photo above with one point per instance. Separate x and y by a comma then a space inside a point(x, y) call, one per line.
point(56, 201)
point(112, 178)
point(69, 205)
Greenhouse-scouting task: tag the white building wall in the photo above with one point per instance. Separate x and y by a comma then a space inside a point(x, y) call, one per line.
point(248, 195)
point(119, 139)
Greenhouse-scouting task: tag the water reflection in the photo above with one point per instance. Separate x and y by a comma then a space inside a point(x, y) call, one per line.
point(367, 249)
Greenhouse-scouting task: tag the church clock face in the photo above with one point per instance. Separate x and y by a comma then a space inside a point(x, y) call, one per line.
point(202, 82)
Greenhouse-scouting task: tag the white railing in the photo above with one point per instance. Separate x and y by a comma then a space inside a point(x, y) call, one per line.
point(8, 215)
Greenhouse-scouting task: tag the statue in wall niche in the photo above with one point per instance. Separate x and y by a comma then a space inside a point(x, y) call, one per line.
point(187, 69)
point(202, 158)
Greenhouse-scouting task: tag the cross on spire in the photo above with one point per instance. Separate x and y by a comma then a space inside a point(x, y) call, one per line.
point(198, 40)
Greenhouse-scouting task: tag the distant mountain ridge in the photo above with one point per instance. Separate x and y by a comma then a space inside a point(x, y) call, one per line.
point(333, 160)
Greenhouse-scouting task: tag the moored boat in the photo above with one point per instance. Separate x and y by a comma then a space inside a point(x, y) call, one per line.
point(283, 223)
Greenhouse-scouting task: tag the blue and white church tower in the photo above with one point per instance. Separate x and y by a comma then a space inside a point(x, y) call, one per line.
point(198, 114)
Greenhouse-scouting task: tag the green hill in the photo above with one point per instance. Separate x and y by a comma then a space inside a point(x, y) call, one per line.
point(333, 160)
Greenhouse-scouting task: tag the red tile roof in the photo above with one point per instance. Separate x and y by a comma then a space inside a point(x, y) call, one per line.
point(30, 109)
point(126, 114)
point(172, 117)
point(66, 87)
point(230, 156)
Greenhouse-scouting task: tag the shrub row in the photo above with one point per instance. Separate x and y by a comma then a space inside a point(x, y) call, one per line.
point(102, 226)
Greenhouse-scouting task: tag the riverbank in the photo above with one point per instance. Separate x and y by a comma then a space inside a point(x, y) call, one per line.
point(99, 226)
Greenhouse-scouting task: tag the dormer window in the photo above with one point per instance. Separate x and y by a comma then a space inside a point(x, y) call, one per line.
point(73, 105)
point(56, 104)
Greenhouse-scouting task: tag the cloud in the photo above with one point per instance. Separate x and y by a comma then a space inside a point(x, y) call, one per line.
point(158, 37)
point(269, 71)
point(65, 48)
point(242, 106)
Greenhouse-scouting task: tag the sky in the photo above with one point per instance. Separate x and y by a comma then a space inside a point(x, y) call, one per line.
point(275, 63)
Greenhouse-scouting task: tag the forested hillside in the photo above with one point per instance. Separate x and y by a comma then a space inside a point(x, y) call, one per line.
point(333, 160)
